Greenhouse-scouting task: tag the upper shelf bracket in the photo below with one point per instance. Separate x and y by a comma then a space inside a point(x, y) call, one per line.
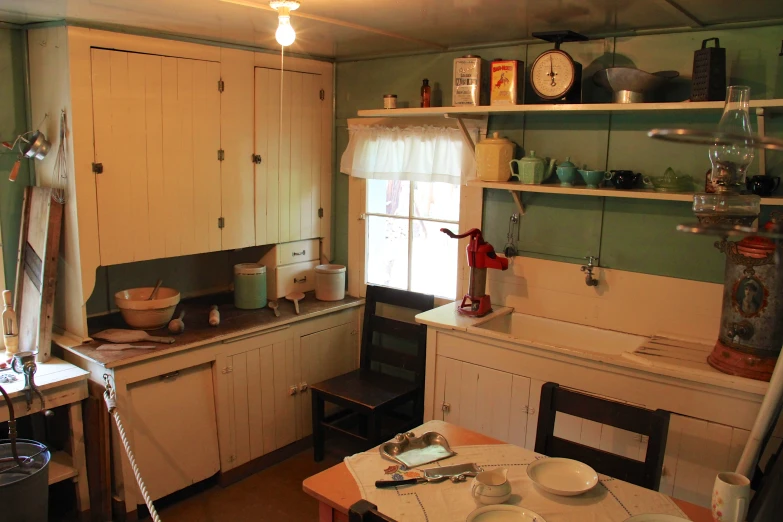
point(517, 197)
point(462, 127)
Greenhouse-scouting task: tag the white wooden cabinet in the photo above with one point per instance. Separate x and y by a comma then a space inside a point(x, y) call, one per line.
point(290, 145)
point(174, 431)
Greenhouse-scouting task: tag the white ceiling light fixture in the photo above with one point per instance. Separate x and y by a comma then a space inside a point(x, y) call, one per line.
point(285, 34)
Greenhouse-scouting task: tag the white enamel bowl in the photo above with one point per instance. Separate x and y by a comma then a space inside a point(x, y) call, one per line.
point(564, 477)
point(141, 313)
point(503, 513)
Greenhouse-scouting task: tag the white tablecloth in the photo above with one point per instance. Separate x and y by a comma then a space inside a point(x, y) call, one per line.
point(611, 500)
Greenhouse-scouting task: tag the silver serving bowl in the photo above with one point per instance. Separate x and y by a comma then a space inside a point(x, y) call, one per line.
point(628, 85)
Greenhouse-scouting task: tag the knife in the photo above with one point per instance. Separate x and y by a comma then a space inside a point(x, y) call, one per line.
point(457, 473)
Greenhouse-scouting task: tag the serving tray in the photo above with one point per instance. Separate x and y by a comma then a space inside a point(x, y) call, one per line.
point(411, 451)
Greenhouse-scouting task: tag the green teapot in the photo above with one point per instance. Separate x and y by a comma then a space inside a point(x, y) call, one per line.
point(531, 169)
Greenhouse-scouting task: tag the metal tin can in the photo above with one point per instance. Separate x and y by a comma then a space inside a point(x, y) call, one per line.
point(389, 101)
point(249, 286)
point(469, 79)
point(505, 87)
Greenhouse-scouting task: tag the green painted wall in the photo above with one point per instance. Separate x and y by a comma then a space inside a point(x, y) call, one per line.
point(628, 235)
point(13, 121)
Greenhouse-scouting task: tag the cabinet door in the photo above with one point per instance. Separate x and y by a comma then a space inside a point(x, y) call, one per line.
point(477, 398)
point(174, 429)
point(520, 411)
point(290, 142)
point(157, 132)
point(325, 354)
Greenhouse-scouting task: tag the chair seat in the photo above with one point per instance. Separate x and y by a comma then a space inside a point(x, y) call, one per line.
point(369, 389)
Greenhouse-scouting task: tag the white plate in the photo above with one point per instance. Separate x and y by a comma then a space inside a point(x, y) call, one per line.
point(655, 517)
point(563, 477)
point(504, 513)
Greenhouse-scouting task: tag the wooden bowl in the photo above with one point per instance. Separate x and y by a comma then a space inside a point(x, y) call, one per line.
point(144, 314)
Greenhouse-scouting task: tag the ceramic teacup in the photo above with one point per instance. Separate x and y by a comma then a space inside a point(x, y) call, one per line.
point(567, 176)
point(491, 487)
point(730, 497)
point(594, 178)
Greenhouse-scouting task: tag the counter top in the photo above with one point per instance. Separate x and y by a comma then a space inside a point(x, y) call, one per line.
point(233, 323)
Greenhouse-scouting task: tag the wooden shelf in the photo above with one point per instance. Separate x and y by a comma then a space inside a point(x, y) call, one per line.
point(601, 192)
point(582, 107)
point(61, 467)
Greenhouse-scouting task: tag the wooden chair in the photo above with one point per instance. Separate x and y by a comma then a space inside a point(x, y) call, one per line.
point(371, 392)
point(654, 424)
point(364, 511)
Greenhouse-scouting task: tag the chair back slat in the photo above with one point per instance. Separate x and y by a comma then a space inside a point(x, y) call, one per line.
point(392, 342)
point(654, 424)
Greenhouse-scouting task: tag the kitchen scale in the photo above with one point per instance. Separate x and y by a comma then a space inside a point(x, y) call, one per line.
point(554, 75)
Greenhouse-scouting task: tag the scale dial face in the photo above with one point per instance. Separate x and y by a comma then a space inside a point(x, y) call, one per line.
point(552, 74)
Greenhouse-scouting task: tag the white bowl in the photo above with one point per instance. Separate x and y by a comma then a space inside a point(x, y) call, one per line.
point(564, 477)
point(144, 314)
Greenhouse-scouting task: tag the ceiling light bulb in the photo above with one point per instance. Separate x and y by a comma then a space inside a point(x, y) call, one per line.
point(285, 34)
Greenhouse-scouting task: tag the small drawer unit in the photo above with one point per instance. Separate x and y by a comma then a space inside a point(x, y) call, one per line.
point(291, 267)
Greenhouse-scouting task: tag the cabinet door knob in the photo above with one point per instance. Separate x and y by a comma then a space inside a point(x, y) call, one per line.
point(446, 407)
point(531, 411)
point(292, 390)
point(302, 386)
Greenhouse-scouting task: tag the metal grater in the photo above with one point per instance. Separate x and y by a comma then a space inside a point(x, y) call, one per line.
point(709, 72)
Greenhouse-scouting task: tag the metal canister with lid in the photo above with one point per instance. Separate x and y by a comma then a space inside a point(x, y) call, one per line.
point(470, 78)
point(249, 286)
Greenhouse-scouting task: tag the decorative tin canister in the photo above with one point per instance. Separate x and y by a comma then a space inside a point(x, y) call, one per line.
point(751, 329)
point(249, 286)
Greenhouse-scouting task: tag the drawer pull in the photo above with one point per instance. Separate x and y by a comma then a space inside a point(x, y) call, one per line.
point(300, 280)
point(303, 252)
point(292, 390)
point(169, 376)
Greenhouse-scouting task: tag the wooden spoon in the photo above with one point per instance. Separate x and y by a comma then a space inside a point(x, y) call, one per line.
point(295, 297)
point(154, 293)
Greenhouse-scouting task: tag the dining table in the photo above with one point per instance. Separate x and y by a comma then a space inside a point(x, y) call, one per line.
point(336, 488)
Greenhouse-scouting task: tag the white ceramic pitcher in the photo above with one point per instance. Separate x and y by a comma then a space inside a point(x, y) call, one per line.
point(491, 487)
point(730, 497)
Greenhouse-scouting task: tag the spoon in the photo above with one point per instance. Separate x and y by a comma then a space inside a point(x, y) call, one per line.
point(295, 297)
point(154, 293)
point(273, 306)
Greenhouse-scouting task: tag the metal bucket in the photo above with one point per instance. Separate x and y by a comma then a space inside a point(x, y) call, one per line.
point(24, 492)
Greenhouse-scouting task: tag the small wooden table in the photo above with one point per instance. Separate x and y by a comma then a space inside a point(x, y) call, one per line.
point(61, 384)
point(336, 490)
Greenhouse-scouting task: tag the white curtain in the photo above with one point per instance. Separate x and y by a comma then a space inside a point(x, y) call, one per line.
point(416, 153)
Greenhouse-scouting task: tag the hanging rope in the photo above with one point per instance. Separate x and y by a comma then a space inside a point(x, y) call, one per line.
point(111, 404)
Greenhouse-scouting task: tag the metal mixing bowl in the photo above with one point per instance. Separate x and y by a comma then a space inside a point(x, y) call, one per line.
point(628, 85)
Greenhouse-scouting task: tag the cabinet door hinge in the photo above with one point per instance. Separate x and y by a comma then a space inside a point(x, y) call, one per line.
point(322, 94)
point(222, 224)
point(321, 212)
point(97, 168)
point(256, 159)
point(221, 154)
point(221, 86)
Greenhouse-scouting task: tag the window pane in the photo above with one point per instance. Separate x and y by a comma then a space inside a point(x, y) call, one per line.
point(388, 197)
point(436, 201)
point(434, 260)
point(387, 251)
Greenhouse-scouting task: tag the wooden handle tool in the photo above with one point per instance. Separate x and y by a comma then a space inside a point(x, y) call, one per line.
point(177, 326)
point(214, 316)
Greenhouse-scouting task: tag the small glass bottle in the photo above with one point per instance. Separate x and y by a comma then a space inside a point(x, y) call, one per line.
point(426, 92)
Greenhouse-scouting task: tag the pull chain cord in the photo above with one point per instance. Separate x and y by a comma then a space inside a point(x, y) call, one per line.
point(111, 404)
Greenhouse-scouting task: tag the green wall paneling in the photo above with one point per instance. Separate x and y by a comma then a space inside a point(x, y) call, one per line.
point(13, 121)
point(582, 137)
point(555, 226)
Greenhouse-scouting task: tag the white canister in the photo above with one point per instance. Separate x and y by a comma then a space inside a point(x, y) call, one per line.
point(330, 282)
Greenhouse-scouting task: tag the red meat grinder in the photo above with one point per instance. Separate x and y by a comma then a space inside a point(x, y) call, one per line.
point(481, 256)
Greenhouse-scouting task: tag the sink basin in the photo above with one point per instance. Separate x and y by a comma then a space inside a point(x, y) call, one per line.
point(570, 336)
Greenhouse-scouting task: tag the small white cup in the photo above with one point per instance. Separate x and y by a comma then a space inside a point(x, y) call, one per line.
point(730, 497)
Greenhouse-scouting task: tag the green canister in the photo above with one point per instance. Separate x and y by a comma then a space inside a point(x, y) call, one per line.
point(249, 286)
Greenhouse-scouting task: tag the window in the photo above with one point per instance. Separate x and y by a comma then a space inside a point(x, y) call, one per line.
point(405, 247)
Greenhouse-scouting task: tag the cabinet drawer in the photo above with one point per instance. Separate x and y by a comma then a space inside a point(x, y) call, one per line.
point(298, 252)
point(299, 277)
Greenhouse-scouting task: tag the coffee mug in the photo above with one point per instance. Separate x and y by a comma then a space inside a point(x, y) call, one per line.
point(730, 497)
point(762, 185)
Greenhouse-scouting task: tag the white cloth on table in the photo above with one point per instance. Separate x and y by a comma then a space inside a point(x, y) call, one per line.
point(611, 500)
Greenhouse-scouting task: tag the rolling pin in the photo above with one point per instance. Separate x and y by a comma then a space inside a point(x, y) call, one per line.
point(214, 316)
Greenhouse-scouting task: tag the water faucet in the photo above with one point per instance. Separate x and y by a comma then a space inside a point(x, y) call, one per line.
point(588, 270)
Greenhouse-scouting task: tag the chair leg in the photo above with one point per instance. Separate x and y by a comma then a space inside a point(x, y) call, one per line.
point(374, 429)
point(318, 428)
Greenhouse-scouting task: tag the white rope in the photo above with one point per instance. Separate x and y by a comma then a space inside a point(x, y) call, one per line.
point(111, 403)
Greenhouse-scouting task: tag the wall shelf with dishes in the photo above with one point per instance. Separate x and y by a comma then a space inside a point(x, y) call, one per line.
point(516, 186)
point(773, 104)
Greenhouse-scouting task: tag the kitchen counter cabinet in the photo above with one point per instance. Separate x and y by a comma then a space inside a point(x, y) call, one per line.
point(493, 387)
point(221, 397)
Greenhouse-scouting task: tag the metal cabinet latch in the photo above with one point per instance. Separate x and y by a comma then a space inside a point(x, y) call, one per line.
point(446, 407)
point(292, 390)
point(256, 159)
